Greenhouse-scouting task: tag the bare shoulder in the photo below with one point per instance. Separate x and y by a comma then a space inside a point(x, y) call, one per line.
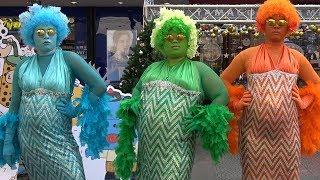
point(249, 51)
point(70, 55)
point(246, 54)
point(298, 56)
point(72, 58)
point(200, 64)
point(296, 53)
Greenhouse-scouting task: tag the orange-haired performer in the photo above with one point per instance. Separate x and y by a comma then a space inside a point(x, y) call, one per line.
point(277, 120)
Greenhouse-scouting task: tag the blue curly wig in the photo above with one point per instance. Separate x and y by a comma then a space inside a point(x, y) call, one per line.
point(43, 16)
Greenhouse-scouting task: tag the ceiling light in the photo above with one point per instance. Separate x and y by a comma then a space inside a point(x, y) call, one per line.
point(120, 2)
point(74, 2)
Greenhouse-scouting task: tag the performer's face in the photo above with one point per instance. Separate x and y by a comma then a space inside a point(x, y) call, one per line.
point(45, 38)
point(276, 28)
point(175, 45)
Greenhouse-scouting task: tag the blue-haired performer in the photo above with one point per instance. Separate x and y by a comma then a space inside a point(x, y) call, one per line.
point(38, 124)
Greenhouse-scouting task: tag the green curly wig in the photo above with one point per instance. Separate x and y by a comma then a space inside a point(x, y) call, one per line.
point(176, 21)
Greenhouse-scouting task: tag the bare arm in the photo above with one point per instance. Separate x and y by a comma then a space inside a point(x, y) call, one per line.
point(235, 69)
point(83, 71)
point(306, 71)
point(212, 85)
point(16, 91)
point(229, 75)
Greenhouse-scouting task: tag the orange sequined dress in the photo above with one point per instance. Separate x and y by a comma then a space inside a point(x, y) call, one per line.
point(269, 129)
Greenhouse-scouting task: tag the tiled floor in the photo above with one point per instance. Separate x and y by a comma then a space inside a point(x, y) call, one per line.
point(229, 167)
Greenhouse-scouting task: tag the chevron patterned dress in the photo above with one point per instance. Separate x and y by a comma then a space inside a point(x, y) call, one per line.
point(164, 150)
point(48, 148)
point(269, 130)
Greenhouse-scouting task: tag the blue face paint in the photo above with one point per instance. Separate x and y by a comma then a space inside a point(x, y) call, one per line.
point(45, 39)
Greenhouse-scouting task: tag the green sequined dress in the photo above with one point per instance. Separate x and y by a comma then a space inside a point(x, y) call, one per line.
point(164, 150)
point(162, 99)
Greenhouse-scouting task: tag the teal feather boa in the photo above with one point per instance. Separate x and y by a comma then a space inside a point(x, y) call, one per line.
point(94, 123)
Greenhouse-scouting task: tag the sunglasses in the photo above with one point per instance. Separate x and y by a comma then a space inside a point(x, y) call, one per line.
point(42, 32)
point(179, 37)
point(273, 22)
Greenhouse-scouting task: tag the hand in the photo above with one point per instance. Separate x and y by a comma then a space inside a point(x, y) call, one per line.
point(190, 125)
point(8, 150)
point(2, 163)
point(244, 101)
point(66, 108)
point(302, 103)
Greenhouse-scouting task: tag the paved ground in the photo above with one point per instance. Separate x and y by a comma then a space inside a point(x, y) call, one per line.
point(229, 168)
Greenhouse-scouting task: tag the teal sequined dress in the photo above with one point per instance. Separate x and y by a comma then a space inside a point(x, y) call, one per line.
point(48, 148)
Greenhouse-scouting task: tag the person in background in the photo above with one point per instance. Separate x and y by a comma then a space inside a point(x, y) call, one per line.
point(118, 56)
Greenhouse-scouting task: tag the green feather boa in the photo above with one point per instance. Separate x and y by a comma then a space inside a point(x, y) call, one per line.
point(128, 113)
point(213, 123)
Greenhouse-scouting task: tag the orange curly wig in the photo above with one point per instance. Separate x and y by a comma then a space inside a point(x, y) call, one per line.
point(277, 7)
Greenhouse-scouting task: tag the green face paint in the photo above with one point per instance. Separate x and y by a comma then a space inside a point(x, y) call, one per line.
point(175, 45)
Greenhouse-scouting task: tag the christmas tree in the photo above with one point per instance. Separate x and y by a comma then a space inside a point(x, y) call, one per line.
point(142, 56)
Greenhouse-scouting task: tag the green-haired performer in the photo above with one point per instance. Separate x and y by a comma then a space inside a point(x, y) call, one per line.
point(166, 109)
